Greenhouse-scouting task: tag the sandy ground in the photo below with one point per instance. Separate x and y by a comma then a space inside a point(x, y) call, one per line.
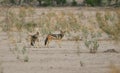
point(68, 59)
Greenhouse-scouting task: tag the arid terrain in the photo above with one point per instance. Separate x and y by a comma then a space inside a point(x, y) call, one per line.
point(72, 57)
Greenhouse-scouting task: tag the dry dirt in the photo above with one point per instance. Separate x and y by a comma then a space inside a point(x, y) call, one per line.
point(71, 58)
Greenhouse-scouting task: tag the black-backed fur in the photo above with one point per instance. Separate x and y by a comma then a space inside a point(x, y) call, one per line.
point(54, 37)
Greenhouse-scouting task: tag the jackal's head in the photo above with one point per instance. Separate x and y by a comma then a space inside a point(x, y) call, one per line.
point(37, 33)
point(62, 32)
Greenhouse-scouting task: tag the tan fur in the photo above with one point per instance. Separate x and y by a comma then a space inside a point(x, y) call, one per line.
point(56, 37)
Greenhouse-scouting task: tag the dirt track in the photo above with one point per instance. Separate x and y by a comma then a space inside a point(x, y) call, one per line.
point(68, 59)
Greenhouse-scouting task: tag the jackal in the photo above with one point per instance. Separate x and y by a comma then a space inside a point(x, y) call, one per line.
point(34, 38)
point(57, 37)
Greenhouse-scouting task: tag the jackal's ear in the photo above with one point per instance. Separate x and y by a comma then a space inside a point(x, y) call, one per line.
point(37, 32)
point(64, 31)
point(61, 31)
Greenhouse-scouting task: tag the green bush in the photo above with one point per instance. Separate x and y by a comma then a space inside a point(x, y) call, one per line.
point(61, 2)
point(47, 3)
point(74, 3)
point(94, 2)
point(51, 2)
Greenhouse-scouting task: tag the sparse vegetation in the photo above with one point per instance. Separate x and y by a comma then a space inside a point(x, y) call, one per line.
point(20, 52)
point(26, 59)
point(109, 24)
point(90, 38)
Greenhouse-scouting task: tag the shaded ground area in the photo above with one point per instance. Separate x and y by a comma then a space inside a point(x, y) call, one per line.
point(68, 59)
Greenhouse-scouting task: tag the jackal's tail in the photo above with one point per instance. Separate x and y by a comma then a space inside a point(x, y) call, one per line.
point(46, 40)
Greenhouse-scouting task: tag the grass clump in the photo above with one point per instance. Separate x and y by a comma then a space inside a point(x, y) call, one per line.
point(90, 38)
point(26, 59)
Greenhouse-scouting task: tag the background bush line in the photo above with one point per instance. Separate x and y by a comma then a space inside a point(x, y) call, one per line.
point(45, 3)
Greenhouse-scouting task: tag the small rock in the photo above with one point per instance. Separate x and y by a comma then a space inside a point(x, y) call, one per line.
point(111, 51)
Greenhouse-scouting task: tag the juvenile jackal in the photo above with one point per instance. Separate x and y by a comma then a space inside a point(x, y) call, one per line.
point(57, 37)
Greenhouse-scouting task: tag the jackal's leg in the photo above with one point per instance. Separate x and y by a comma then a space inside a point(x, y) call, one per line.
point(48, 43)
point(59, 43)
point(32, 43)
point(37, 43)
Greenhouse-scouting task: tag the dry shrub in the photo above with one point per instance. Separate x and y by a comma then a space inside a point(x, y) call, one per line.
point(90, 38)
point(52, 21)
point(109, 24)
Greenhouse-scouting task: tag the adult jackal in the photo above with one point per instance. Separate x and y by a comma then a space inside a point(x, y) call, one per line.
point(34, 38)
point(57, 37)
